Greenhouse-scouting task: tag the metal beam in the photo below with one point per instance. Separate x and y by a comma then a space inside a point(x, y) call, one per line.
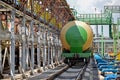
point(113, 9)
point(19, 12)
point(12, 47)
point(38, 47)
point(1, 69)
point(4, 10)
point(32, 46)
point(118, 21)
point(23, 57)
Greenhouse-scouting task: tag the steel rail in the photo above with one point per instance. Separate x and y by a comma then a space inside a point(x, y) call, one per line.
point(81, 73)
point(77, 77)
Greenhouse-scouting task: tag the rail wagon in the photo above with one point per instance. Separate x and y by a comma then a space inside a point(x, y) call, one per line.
point(76, 38)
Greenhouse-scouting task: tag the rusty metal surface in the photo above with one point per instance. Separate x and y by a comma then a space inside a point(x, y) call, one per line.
point(58, 9)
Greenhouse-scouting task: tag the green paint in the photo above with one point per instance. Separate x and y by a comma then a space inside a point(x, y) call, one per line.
point(95, 19)
point(71, 55)
point(102, 42)
point(76, 36)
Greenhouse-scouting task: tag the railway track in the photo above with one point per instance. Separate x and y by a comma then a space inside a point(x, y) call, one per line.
point(71, 73)
point(62, 72)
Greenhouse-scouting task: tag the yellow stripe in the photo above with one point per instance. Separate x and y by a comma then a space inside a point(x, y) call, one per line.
point(89, 36)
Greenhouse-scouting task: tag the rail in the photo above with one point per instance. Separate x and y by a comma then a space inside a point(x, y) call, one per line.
point(75, 72)
point(81, 73)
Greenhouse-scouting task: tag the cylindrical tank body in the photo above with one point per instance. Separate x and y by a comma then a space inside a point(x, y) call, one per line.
point(76, 36)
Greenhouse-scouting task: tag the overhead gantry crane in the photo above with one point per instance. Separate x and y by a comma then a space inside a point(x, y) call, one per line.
point(103, 18)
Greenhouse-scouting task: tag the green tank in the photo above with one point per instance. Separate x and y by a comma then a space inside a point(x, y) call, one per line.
point(76, 38)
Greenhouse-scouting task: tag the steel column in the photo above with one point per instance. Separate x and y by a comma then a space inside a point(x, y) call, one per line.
point(12, 46)
point(44, 49)
point(32, 47)
point(114, 39)
point(51, 49)
point(102, 42)
point(20, 55)
point(57, 43)
point(56, 50)
point(27, 52)
point(0, 58)
point(23, 57)
point(38, 48)
point(48, 38)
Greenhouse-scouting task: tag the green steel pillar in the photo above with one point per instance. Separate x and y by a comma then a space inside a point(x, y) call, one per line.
point(102, 42)
point(75, 13)
point(114, 39)
point(96, 29)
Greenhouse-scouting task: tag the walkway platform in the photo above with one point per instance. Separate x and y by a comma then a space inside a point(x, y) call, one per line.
point(48, 74)
point(92, 72)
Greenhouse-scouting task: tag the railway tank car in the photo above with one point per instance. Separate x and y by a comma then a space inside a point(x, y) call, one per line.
point(76, 38)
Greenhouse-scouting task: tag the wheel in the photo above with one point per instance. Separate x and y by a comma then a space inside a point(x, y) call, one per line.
point(66, 61)
point(69, 62)
point(86, 60)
